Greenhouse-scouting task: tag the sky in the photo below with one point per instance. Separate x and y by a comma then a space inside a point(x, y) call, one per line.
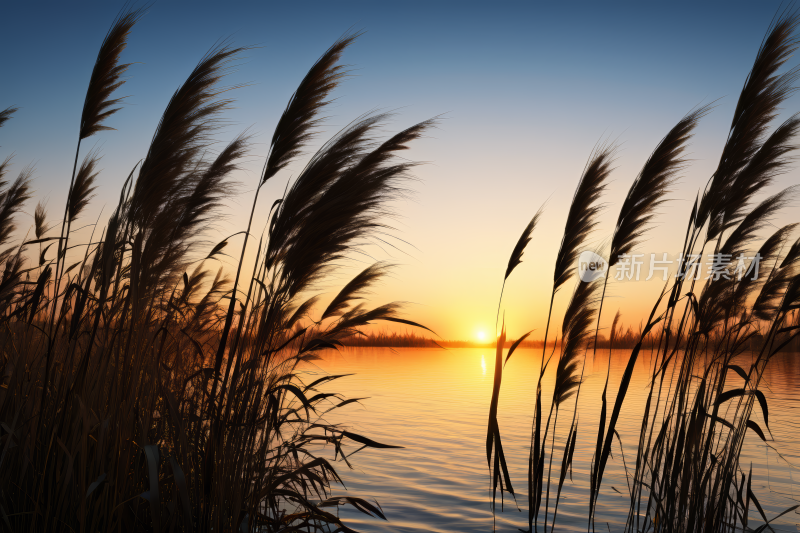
point(525, 92)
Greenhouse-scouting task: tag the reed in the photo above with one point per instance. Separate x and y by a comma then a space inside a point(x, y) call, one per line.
point(141, 389)
point(688, 475)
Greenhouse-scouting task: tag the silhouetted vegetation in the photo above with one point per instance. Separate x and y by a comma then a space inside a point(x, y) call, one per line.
point(687, 475)
point(142, 388)
point(390, 340)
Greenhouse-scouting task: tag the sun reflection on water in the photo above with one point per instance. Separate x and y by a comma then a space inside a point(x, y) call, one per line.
point(434, 404)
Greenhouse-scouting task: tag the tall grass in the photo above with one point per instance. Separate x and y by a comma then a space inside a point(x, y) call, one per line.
point(142, 389)
point(687, 475)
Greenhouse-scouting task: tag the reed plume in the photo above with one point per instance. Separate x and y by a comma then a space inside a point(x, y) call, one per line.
point(354, 290)
point(337, 201)
point(40, 220)
point(183, 133)
point(209, 186)
point(768, 253)
point(791, 297)
point(193, 208)
point(583, 213)
point(768, 300)
point(519, 249)
point(4, 170)
point(84, 186)
point(516, 255)
point(292, 133)
point(771, 160)
point(297, 124)
point(761, 215)
point(581, 220)
point(6, 114)
point(302, 311)
point(719, 296)
point(11, 202)
point(106, 75)
point(648, 190)
point(793, 255)
point(177, 190)
point(576, 329)
point(763, 93)
point(614, 331)
point(12, 199)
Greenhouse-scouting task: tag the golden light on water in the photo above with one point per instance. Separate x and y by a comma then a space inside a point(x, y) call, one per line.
point(434, 403)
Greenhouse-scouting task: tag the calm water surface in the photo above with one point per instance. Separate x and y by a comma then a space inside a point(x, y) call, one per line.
point(435, 403)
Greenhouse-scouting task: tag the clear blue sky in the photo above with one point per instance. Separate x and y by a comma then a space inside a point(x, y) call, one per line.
point(527, 88)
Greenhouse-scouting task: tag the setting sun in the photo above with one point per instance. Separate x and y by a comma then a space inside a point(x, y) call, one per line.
point(481, 335)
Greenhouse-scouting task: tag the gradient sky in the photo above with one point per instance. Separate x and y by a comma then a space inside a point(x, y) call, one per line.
point(526, 89)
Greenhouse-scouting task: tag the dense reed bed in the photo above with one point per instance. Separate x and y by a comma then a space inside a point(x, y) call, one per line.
point(686, 475)
point(145, 388)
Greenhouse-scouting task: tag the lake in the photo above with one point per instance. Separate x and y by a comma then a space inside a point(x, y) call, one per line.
point(435, 403)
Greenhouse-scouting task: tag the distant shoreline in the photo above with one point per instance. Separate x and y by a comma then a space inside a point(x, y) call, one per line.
point(628, 340)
